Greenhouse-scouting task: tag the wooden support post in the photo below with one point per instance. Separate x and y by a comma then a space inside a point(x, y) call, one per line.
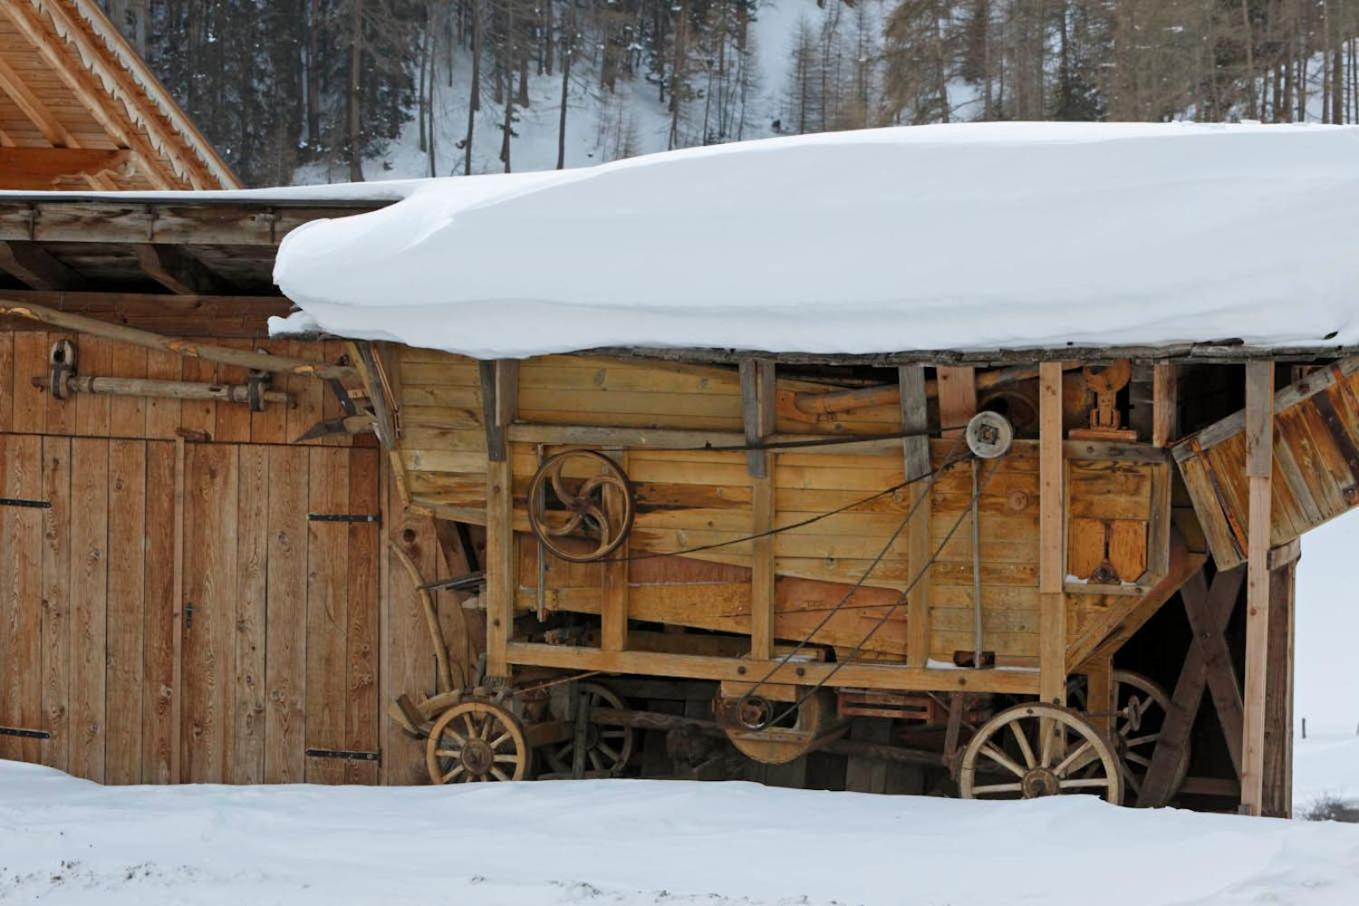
point(1051, 516)
point(1277, 798)
point(1165, 405)
point(916, 451)
point(958, 398)
point(1259, 466)
point(499, 388)
point(758, 394)
point(1099, 693)
point(614, 607)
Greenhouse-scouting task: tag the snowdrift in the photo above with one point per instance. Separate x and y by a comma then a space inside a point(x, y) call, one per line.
point(635, 842)
point(973, 236)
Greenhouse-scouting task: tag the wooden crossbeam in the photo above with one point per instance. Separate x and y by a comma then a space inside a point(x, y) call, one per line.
point(1208, 661)
point(34, 265)
point(42, 169)
point(176, 270)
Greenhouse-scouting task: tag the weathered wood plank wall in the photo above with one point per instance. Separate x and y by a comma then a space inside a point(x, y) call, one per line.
point(293, 634)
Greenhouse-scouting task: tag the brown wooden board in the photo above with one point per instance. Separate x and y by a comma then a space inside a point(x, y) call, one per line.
point(286, 617)
point(159, 733)
point(89, 605)
point(125, 612)
point(56, 596)
point(327, 612)
point(20, 598)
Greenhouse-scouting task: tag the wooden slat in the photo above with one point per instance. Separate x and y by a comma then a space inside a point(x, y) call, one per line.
point(6, 377)
point(246, 764)
point(916, 454)
point(20, 599)
point(500, 558)
point(56, 594)
point(286, 616)
point(327, 611)
point(162, 415)
point(1259, 468)
point(210, 537)
point(92, 411)
point(160, 650)
point(362, 707)
point(127, 414)
point(1277, 800)
point(613, 624)
point(89, 602)
point(957, 398)
point(1051, 564)
point(758, 387)
point(126, 615)
point(30, 403)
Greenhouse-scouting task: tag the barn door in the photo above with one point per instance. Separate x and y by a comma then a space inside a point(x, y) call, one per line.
point(279, 634)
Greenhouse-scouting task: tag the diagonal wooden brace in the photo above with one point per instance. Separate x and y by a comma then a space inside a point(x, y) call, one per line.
point(1207, 664)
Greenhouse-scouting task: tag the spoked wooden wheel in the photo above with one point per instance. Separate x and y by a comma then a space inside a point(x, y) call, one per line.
point(1036, 750)
point(580, 505)
point(1136, 740)
point(607, 749)
point(476, 741)
point(794, 732)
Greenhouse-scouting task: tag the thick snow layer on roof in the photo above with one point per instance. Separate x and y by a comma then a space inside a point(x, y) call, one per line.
point(966, 237)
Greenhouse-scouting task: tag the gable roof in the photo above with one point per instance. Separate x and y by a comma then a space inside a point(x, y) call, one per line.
point(79, 109)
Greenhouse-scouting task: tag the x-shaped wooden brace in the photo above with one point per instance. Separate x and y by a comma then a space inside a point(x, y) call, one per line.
point(1208, 663)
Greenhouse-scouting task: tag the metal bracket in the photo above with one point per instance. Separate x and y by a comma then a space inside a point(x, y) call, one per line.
point(345, 517)
point(31, 504)
point(24, 733)
point(346, 754)
point(255, 384)
point(61, 361)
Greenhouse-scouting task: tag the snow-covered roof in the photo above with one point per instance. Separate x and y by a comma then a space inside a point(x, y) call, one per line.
point(957, 237)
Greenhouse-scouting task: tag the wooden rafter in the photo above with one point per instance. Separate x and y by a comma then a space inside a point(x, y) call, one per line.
point(176, 270)
point(118, 81)
point(34, 266)
point(92, 95)
point(32, 107)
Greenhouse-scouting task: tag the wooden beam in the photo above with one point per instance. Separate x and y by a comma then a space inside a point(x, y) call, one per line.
point(1259, 468)
point(915, 451)
point(691, 666)
point(1051, 529)
point(176, 270)
point(243, 358)
point(1277, 798)
point(34, 265)
point(613, 611)
point(31, 106)
point(499, 382)
point(957, 398)
point(758, 397)
point(43, 169)
point(1165, 404)
point(500, 561)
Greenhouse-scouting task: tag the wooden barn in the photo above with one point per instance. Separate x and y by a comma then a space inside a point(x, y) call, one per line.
point(1000, 574)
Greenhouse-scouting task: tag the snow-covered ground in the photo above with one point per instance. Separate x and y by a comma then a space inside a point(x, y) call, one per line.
point(630, 842)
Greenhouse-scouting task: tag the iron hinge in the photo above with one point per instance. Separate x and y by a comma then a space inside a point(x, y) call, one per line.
point(345, 517)
point(31, 504)
point(346, 754)
point(25, 733)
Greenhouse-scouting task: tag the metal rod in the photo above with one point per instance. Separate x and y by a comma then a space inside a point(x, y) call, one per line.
point(976, 570)
point(180, 390)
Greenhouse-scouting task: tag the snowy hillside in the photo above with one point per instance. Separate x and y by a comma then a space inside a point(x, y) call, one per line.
point(602, 125)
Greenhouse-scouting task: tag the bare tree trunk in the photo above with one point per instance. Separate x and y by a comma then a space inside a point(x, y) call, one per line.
point(507, 70)
point(568, 46)
point(474, 94)
point(355, 91)
point(1249, 41)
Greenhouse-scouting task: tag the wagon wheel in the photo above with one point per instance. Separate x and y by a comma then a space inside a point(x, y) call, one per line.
point(794, 733)
point(476, 741)
point(607, 749)
point(1136, 740)
point(1019, 756)
point(580, 518)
